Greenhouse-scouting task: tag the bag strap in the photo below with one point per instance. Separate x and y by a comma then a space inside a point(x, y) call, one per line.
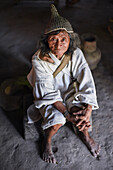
point(64, 62)
point(72, 77)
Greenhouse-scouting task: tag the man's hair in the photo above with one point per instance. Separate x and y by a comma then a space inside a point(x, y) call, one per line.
point(74, 42)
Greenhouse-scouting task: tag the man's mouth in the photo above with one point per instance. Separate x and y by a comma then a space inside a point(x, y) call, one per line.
point(57, 50)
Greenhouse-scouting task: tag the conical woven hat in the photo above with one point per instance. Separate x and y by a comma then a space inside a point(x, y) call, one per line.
point(58, 22)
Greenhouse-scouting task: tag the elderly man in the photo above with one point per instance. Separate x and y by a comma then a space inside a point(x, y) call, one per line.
point(62, 83)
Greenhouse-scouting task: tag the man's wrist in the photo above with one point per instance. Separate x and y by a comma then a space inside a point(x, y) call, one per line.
point(66, 113)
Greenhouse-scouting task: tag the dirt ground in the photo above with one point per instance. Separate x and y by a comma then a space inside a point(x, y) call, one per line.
point(20, 28)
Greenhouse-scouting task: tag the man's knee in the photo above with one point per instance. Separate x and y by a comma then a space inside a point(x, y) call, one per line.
point(56, 127)
point(75, 109)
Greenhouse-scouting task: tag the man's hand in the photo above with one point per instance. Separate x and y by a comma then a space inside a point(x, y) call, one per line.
point(82, 120)
point(73, 118)
point(78, 117)
point(46, 58)
point(61, 107)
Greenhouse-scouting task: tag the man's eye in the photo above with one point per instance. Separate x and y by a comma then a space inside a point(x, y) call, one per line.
point(63, 39)
point(53, 39)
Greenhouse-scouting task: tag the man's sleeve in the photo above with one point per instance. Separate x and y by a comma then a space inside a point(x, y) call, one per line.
point(86, 88)
point(44, 88)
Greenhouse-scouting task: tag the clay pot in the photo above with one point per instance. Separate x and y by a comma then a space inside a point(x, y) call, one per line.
point(90, 50)
point(110, 26)
point(88, 42)
point(93, 58)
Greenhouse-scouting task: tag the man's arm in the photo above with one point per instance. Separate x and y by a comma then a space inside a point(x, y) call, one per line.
point(79, 118)
point(61, 107)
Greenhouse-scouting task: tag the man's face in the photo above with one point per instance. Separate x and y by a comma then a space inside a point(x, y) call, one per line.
point(59, 43)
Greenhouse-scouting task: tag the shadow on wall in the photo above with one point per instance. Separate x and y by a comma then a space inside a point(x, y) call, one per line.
point(19, 32)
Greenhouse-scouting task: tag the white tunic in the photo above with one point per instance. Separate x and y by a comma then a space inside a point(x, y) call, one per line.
point(47, 89)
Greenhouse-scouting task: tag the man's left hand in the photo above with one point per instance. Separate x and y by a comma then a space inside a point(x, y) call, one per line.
point(83, 119)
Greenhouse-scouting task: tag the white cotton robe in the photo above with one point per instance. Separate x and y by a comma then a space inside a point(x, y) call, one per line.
point(47, 89)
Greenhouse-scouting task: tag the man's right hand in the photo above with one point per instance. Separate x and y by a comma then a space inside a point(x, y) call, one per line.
point(72, 118)
point(75, 120)
point(46, 58)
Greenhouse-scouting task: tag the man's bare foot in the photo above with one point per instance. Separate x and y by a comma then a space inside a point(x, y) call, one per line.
point(48, 155)
point(92, 146)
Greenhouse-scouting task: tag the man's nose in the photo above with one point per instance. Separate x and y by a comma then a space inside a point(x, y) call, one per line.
point(58, 44)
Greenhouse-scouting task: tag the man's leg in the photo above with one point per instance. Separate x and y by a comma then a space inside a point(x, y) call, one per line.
point(92, 146)
point(48, 155)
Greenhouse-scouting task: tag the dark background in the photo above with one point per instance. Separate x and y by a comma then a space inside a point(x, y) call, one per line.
point(21, 25)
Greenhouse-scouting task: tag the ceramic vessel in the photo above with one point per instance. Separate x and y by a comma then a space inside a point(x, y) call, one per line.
point(90, 50)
